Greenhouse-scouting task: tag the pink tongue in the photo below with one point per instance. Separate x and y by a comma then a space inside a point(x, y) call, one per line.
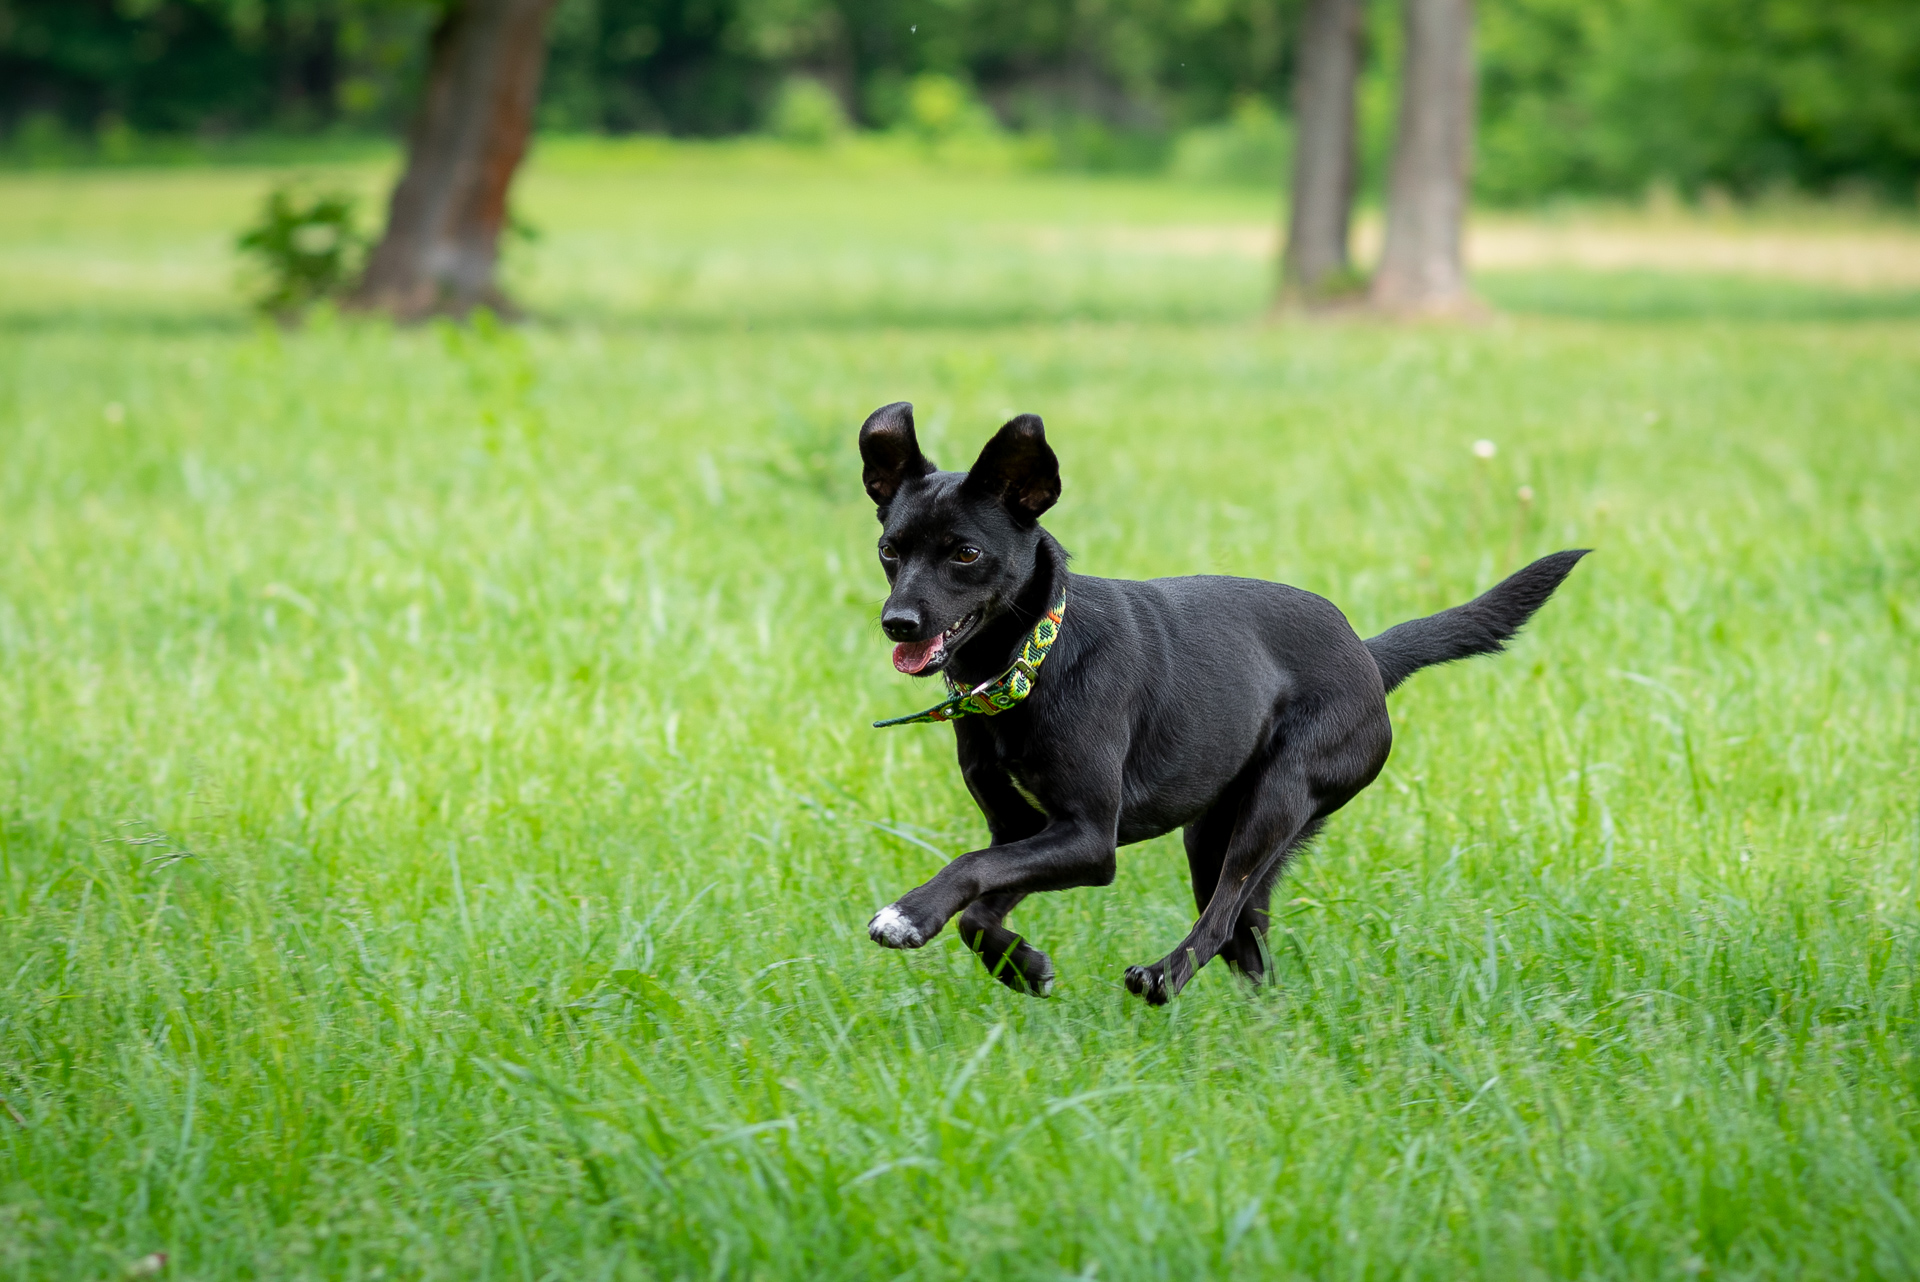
point(911, 656)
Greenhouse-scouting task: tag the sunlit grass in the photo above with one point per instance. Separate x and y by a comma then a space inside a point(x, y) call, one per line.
point(438, 818)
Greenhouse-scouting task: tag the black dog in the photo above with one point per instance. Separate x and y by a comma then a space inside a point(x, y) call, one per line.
point(1244, 712)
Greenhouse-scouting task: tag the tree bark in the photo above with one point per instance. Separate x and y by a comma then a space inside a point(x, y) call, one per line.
point(442, 241)
point(1315, 265)
point(1420, 267)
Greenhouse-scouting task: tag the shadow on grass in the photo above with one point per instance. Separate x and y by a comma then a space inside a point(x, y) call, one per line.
point(128, 322)
point(1670, 296)
point(1009, 314)
point(690, 319)
point(1618, 297)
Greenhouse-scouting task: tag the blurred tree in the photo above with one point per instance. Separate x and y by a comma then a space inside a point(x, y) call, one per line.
point(207, 66)
point(699, 67)
point(441, 245)
point(1584, 96)
point(1615, 95)
point(1420, 265)
point(1325, 160)
point(716, 66)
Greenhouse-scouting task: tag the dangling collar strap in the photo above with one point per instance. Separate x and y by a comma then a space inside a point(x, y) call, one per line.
point(1005, 690)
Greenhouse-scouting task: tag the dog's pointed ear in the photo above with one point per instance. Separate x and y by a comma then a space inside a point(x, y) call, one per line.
point(1019, 469)
point(889, 453)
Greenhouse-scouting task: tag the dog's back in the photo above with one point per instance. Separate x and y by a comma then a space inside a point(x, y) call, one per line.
point(1201, 675)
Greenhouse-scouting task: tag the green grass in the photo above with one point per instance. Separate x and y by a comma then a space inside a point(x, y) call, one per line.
point(438, 818)
point(1656, 296)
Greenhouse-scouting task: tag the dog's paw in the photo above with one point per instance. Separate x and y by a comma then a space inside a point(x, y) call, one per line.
point(891, 928)
point(1149, 982)
point(1034, 977)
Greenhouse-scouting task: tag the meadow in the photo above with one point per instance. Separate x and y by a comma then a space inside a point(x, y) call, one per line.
point(438, 813)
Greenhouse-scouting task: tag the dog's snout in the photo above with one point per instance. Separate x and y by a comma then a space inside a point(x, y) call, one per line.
point(900, 623)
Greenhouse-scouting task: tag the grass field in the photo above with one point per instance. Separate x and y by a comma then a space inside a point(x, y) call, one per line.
point(438, 816)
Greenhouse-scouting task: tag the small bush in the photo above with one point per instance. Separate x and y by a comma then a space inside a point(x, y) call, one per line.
point(307, 246)
point(41, 140)
point(1091, 145)
point(939, 108)
point(807, 113)
point(1251, 148)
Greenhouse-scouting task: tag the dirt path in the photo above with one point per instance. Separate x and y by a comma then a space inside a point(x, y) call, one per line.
point(1875, 258)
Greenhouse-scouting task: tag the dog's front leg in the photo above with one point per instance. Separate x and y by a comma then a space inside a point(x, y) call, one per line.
point(1068, 852)
point(1008, 957)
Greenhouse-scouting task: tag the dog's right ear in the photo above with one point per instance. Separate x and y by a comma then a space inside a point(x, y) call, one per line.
point(889, 453)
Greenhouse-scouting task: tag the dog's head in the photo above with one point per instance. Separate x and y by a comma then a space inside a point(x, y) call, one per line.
point(957, 546)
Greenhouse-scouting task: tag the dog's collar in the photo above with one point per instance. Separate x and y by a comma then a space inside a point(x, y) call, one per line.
point(1005, 690)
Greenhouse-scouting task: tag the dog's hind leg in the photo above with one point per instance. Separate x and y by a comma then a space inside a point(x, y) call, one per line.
point(1207, 839)
point(1328, 752)
point(1247, 951)
point(1007, 957)
point(1272, 816)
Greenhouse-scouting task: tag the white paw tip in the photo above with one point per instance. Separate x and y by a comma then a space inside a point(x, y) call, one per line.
point(1045, 987)
point(891, 927)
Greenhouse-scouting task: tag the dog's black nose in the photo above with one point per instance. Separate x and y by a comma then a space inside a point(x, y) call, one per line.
point(899, 623)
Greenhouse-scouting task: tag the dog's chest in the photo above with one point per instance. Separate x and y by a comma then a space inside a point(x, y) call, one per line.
point(1009, 758)
point(1026, 793)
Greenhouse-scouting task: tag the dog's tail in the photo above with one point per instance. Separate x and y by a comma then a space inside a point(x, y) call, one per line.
point(1483, 625)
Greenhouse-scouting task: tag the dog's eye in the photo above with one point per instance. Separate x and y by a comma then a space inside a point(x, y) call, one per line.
point(888, 553)
point(967, 556)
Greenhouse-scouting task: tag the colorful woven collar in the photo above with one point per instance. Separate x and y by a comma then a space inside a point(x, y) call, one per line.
point(1005, 690)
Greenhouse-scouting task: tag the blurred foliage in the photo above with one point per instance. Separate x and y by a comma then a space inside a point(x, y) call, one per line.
point(1614, 95)
point(306, 247)
point(714, 66)
point(807, 113)
point(97, 68)
point(1253, 145)
point(1584, 96)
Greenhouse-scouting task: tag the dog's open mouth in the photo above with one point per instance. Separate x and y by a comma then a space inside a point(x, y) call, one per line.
point(916, 658)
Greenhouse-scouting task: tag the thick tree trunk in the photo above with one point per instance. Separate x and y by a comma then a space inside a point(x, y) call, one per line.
point(443, 228)
point(1420, 268)
point(1315, 266)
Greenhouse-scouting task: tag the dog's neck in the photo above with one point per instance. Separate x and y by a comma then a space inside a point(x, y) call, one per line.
point(990, 652)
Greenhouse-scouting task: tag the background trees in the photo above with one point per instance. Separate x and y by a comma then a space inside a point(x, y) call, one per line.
point(1575, 97)
point(1583, 96)
point(208, 67)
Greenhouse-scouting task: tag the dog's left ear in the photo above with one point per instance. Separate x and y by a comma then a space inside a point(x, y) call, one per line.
point(1019, 469)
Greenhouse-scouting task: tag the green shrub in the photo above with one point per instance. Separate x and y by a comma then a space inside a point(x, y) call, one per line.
point(41, 140)
point(1252, 148)
point(807, 113)
point(307, 246)
point(941, 107)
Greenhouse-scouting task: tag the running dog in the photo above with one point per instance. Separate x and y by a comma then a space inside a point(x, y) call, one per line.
point(1093, 713)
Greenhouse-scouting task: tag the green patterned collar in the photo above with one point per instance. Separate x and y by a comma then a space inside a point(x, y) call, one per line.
point(1005, 690)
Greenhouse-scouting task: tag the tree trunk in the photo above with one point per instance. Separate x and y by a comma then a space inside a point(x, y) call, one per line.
point(1315, 266)
point(1420, 267)
point(443, 228)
